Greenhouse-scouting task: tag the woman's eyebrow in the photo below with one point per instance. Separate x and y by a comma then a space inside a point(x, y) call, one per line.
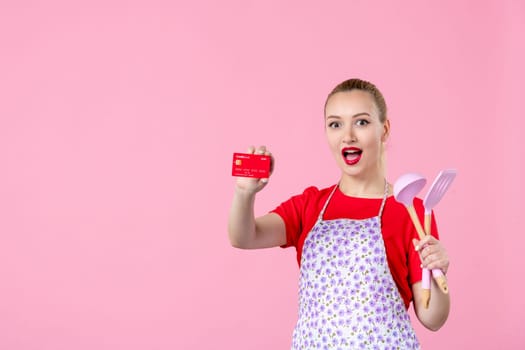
point(354, 116)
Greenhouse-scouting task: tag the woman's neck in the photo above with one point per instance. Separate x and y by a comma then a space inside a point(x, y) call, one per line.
point(370, 187)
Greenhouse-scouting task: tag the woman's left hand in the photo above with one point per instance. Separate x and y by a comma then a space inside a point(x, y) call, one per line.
point(432, 253)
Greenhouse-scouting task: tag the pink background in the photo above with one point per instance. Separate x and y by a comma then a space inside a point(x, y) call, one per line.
point(118, 120)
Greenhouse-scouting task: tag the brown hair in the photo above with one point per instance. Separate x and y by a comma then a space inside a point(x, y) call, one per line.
point(363, 85)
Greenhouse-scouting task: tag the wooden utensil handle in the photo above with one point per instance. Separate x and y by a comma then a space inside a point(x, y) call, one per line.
point(438, 275)
point(441, 280)
point(426, 297)
point(428, 221)
point(415, 221)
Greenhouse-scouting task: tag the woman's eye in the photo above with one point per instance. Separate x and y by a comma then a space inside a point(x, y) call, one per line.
point(334, 125)
point(362, 122)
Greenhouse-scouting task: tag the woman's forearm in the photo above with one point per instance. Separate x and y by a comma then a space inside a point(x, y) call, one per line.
point(241, 222)
point(438, 310)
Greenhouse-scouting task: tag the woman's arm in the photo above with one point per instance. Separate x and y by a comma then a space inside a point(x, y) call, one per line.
point(244, 230)
point(433, 256)
point(247, 232)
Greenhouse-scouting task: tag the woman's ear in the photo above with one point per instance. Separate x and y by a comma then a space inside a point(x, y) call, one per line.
point(386, 130)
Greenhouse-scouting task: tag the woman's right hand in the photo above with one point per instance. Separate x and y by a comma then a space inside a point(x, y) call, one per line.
point(244, 229)
point(252, 185)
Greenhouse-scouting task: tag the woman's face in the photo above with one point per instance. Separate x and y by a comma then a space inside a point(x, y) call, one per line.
point(354, 132)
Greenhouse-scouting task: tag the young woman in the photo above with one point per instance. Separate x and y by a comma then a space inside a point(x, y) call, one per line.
point(359, 256)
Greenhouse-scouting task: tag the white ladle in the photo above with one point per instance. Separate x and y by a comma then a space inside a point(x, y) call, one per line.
point(406, 188)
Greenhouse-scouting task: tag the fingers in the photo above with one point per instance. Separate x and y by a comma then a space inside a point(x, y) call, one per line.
point(428, 239)
point(258, 150)
point(432, 253)
point(263, 151)
point(272, 161)
point(441, 264)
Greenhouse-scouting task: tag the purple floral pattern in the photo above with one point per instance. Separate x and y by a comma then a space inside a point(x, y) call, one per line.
point(347, 296)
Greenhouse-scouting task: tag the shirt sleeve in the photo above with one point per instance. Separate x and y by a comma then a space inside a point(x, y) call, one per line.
point(292, 212)
point(414, 261)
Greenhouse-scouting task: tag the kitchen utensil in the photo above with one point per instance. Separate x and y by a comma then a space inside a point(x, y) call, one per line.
point(406, 188)
point(435, 193)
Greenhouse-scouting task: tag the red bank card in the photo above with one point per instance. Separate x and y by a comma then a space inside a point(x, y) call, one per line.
point(251, 165)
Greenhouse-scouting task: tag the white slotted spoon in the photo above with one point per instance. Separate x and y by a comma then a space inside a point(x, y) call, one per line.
point(437, 190)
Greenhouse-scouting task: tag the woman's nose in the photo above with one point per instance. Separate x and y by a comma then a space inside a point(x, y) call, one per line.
point(349, 136)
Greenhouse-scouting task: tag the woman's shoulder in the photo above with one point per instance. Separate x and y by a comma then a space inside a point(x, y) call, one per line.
point(317, 190)
point(308, 202)
point(314, 192)
point(310, 196)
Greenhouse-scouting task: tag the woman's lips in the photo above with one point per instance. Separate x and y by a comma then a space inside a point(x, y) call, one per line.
point(351, 155)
